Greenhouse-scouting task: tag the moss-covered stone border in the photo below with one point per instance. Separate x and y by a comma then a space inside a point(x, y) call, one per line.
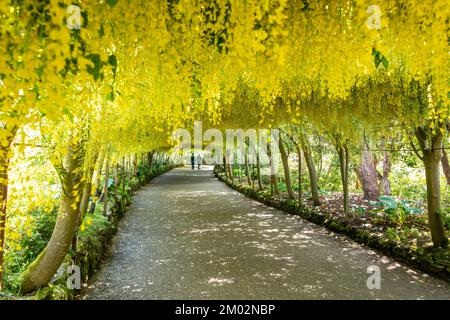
point(435, 261)
point(90, 250)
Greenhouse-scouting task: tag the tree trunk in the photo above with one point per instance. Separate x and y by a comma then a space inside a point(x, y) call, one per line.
point(253, 168)
point(98, 194)
point(431, 149)
point(225, 169)
point(150, 159)
point(99, 170)
point(312, 172)
point(247, 169)
point(87, 192)
point(300, 191)
point(258, 170)
point(3, 198)
point(5, 155)
point(253, 176)
point(239, 167)
point(385, 184)
point(229, 166)
point(273, 175)
point(105, 188)
point(124, 174)
point(368, 175)
point(40, 272)
point(84, 204)
point(445, 166)
point(4, 167)
point(287, 174)
point(135, 166)
point(342, 151)
point(116, 180)
point(130, 170)
point(320, 153)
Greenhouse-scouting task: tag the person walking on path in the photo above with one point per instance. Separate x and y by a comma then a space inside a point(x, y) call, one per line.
point(193, 161)
point(199, 161)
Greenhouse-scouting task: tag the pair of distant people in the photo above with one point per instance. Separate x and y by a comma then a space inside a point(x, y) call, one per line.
point(199, 161)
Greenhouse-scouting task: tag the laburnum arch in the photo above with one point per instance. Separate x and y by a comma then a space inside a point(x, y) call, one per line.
point(134, 71)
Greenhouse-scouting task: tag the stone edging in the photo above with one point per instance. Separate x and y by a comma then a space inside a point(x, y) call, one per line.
point(94, 248)
point(430, 260)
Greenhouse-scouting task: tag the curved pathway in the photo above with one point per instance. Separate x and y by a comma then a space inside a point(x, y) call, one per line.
point(189, 236)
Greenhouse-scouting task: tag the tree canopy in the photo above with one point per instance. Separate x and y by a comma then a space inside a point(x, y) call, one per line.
point(119, 76)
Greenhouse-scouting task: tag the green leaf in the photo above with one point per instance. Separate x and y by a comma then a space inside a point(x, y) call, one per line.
point(378, 59)
point(95, 70)
point(416, 211)
point(101, 31)
point(69, 114)
point(388, 202)
point(409, 210)
point(111, 3)
point(110, 96)
point(385, 62)
point(112, 60)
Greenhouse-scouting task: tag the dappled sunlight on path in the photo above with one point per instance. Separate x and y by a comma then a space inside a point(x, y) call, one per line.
point(189, 236)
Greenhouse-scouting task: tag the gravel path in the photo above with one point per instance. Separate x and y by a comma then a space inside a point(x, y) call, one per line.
point(189, 236)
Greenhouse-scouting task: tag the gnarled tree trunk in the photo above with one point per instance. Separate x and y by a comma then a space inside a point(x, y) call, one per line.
point(258, 170)
point(287, 174)
point(4, 167)
point(40, 272)
point(229, 165)
point(225, 166)
point(106, 188)
point(98, 194)
point(135, 165)
point(86, 196)
point(445, 166)
point(368, 175)
point(150, 157)
point(247, 169)
point(300, 191)
point(87, 191)
point(343, 154)
point(273, 174)
point(312, 171)
point(3, 199)
point(124, 175)
point(116, 180)
point(431, 150)
point(384, 178)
